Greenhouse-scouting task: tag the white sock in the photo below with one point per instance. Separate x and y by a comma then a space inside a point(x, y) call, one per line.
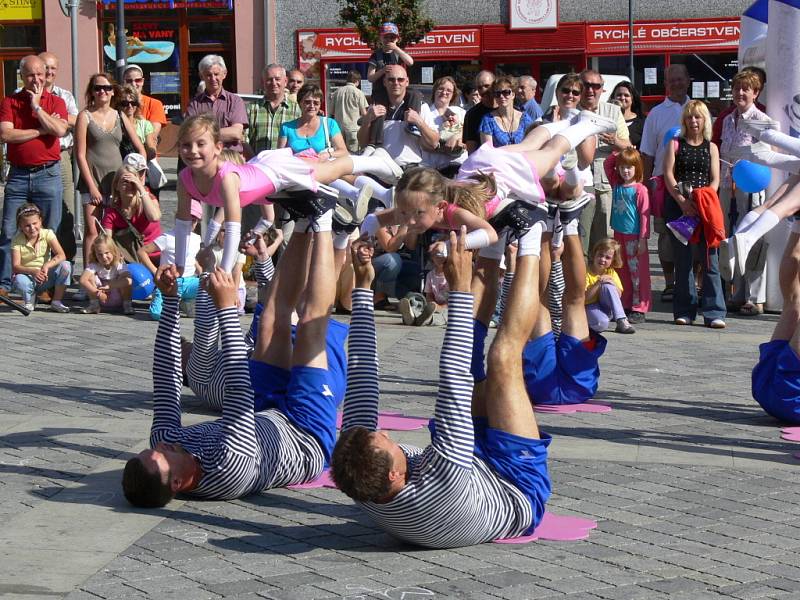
point(324, 223)
point(230, 249)
point(212, 230)
point(345, 189)
point(763, 224)
point(183, 231)
point(530, 244)
point(572, 176)
point(571, 228)
point(262, 226)
point(555, 127)
point(494, 251)
point(340, 240)
point(746, 221)
point(383, 194)
point(374, 165)
point(581, 130)
point(558, 237)
point(764, 155)
point(773, 137)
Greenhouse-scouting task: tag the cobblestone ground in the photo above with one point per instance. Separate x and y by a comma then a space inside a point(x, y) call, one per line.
point(694, 493)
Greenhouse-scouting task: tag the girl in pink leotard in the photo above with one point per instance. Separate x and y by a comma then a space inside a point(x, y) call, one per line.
point(209, 179)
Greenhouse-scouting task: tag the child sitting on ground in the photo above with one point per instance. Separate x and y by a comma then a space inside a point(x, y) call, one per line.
point(604, 289)
point(32, 273)
point(188, 284)
point(106, 278)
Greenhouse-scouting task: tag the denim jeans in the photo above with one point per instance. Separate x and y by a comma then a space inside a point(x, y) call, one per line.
point(43, 188)
point(685, 301)
point(387, 268)
point(187, 290)
point(28, 288)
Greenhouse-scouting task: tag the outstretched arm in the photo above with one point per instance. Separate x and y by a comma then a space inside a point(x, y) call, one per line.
point(363, 394)
point(454, 435)
point(167, 377)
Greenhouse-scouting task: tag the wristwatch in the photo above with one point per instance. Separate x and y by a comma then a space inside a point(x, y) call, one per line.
point(37, 108)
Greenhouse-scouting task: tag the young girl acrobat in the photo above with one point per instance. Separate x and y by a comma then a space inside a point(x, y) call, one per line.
point(209, 179)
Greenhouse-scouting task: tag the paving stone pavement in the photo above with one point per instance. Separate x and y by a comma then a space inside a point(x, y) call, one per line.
point(694, 492)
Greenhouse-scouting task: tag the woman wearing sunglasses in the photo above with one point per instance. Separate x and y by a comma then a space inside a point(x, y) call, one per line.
point(568, 94)
point(98, 133)
point(130, 105)
point(504, 125)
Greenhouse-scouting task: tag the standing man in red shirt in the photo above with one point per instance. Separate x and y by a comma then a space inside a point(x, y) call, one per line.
point(31, 123)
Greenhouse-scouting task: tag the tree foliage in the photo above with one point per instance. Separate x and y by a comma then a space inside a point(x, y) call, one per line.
point(367, 16)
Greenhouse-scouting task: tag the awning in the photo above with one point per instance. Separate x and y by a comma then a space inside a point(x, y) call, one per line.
point(170, 4)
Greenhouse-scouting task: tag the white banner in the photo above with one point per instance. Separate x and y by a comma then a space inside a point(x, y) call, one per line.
point(533, 14)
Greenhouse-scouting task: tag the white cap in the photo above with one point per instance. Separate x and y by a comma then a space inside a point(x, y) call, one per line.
point(135, 160)
point(132, 66)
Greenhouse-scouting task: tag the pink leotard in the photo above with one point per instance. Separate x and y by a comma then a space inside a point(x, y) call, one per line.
point(254, 186)
point(450, 212)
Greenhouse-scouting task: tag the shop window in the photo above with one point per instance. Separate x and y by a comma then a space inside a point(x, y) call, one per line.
point(648, 71)
point(20, 36)
point(210, 32)
point(711, 76)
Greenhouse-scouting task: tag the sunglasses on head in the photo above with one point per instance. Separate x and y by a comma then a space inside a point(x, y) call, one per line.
point(504, 93)
point(135, 80)
point(103, 88)
point(570, 91)
point(594, 86)
point(127, 103)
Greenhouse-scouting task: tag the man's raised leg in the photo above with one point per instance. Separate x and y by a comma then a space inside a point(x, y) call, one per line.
point(789, 277)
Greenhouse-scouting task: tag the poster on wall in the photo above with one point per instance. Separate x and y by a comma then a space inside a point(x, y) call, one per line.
point(533, 14)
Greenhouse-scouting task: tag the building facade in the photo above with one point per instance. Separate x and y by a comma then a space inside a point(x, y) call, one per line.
point(167, 38)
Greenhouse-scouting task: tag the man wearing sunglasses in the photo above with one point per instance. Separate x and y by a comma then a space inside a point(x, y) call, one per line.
point(596, 215)
point(31, 123)
point(403, 146)
point(474, 116)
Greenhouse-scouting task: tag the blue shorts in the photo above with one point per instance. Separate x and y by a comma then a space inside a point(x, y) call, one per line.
point(563, 371)
point(308, 396)
point(519, 460)
point(776, 381)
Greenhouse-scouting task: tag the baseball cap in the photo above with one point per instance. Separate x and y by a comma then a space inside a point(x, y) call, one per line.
point(389, 28)
point(136, 161)
point(196, 209)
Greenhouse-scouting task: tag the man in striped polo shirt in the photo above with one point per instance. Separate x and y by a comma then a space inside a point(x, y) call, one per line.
point(244, 451)
point(484, 475)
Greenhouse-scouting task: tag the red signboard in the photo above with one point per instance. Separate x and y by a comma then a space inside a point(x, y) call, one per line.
point(711, 34)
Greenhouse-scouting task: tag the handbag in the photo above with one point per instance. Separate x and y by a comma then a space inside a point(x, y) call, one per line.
point(156, 179)
point(128, 240)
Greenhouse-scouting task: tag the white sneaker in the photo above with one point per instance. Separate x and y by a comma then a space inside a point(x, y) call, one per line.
point(404, 306)
point(743, 246)
point(58, 307)
point(727, 259)
point(30, 306)
point(393, 171)
point(368, 151)
point(756, 127)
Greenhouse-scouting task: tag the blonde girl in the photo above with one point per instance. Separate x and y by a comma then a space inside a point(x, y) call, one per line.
point(106, 278)
point(604, 289)
point(211, 180)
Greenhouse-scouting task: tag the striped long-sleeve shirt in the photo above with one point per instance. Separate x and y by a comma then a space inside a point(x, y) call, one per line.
point(242, 452)
point(204, 367)
point(452, 498)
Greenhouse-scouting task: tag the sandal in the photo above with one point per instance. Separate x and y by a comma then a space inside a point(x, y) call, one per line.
point(668, 294)
point(749, 309)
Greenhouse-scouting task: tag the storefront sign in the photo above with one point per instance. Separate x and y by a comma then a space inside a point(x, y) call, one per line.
point(346, 45)
point(533, 14)
point(20, 10)
point(612, 38)
point(169, 4)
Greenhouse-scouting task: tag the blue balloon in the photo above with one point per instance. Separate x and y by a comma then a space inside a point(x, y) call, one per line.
point(673, 134)
point(143, 284)
point(751, 177)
